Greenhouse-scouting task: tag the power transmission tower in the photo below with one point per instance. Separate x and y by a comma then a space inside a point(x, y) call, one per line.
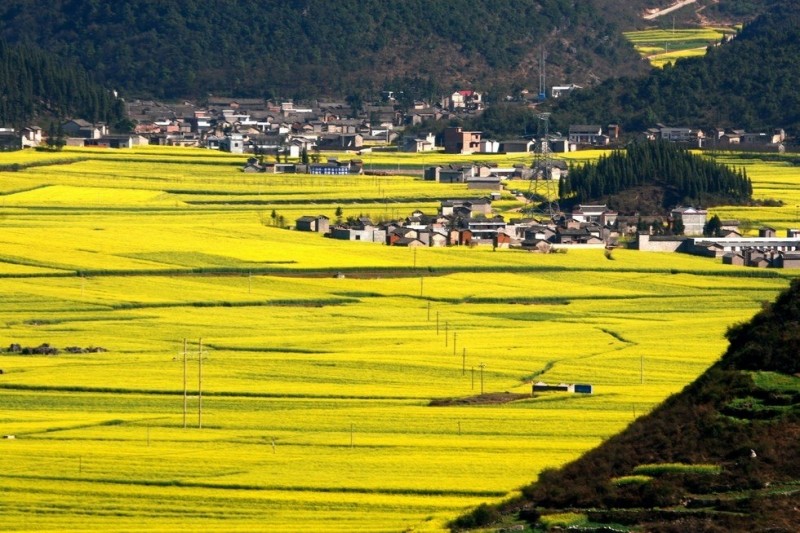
point(542, 76)
point(543, 188)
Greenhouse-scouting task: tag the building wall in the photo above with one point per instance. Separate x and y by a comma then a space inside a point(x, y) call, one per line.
point(693, 224)
point(648, 245)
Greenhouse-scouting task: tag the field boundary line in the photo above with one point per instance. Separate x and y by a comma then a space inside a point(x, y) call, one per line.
point(221, 394)
point(266, 488)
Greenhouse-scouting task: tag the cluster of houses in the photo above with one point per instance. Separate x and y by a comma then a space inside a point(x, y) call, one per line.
point(581, 136)
point(287, 129)
point(331, 167)
point(471, 222)
point(284, 128)
point(768, 250)
point(77, 132)
point(721, 138)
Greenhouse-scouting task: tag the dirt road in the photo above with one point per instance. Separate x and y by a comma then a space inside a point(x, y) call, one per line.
point(670, 9)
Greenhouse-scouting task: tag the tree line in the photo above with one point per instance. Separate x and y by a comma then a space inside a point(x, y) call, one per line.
point(37, 87)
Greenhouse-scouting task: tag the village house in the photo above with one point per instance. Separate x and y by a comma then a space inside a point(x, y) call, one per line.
point(419, 144)
point(484, 229)
point(32, 136)
point(557, 91)
point(558, 145)
point(317, 224)
point(233, 143)
point(485, 183)
point(340, 141)
point(754, 141)
point(489, 146)
point(454, 173)
point(83, 129)
point(692, 137)
point(469, 207)
point(458, 141)
point(587, 135)
point(363, 230)
point(10, 140)
point(334, 167)
point(594, 213)
point(693, 220)
point(551, 170)
point(117, 141)
point(524, 146)
point(464, 100)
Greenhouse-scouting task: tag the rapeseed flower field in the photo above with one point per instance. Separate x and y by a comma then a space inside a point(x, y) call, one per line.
point(316, 387)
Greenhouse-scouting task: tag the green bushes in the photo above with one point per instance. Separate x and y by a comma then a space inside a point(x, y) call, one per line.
point(657, 469)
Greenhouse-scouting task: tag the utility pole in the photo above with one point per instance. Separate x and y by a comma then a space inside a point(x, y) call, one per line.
point(429, 311)
point(437, 323)
point(464, 362)
point(421, 281)
point(185, 399)
point(473, 379)
point(641, 369)
point(445, 334)
point(482, 367)
point(200, 386)
point(455, 339)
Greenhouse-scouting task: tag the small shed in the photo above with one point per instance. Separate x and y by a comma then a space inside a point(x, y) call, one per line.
point(319, 224)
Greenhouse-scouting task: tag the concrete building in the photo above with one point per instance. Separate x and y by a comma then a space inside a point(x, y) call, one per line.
point(693, 220)
point(458, 141)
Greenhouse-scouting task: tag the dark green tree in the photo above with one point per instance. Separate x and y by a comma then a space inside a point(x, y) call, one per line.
point(713, 227)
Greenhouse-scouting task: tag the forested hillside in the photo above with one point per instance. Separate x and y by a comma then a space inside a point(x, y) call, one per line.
point(33, 84)
point(189, 48)
point(748, 83)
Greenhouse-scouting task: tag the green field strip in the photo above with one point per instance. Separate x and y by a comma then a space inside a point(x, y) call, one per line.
point(223, 486)
point(220, 394)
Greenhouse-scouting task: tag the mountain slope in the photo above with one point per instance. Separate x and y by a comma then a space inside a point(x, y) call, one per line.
point(748, 83)
point(172, 48)
point(34, 85)
point(719, 456)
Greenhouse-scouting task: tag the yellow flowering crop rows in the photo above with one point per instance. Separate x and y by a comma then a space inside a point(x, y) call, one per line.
point(316, 388)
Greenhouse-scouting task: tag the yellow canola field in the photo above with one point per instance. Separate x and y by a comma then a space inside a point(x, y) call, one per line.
point(661, 47)
point(315, 389)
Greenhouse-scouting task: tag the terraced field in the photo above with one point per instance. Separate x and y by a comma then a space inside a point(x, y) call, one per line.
point(319, 358)
point(663, 46)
